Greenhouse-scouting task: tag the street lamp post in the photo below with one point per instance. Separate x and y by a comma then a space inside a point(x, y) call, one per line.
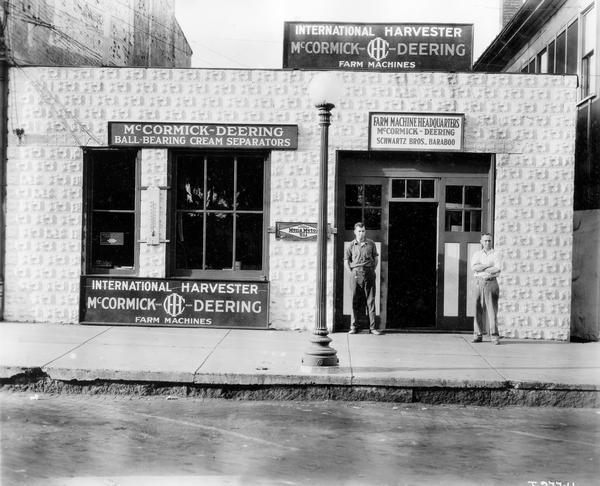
point(322, 89)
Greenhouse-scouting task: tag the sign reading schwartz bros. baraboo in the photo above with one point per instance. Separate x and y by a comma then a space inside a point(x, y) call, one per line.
point(202, 135)
point(173, 302)
point(378, 47)
point(416, 131)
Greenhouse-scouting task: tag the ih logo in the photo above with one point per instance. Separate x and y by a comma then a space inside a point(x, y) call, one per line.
point(378, 48)
point(174, 305)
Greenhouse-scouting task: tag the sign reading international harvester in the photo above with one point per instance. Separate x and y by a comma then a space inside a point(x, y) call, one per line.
point(169, 302)
point(202, 135)
point(416, 131)
point(378, 47)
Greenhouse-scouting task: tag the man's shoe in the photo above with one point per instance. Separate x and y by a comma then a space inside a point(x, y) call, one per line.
point(477, 339)
point(377, 332)
point(352, 330)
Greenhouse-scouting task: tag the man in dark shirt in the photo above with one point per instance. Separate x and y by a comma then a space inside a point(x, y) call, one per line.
point(361, 260)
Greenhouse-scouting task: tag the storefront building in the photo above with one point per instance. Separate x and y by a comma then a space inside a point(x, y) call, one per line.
point(187, 197)
point(561, 37)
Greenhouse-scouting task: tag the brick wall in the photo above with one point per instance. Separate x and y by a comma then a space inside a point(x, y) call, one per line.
point(509, 9)
point(94, 33)
point(528, 121)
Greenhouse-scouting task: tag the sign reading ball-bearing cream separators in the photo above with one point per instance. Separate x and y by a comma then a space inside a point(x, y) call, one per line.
point(416, 131)
point(202, 135)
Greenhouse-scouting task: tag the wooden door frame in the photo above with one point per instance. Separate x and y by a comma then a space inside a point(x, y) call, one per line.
point(436, 165)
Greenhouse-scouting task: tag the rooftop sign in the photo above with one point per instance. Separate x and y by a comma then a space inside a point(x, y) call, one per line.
point(378, 47)
point(202, 135)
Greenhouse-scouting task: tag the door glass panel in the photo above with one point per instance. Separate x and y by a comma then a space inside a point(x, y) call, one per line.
point(368, 199)
point(354, 196)
point(372, 195)
point(454, 220)
point(352, 216)
point(454, 195)
point(473, 221)
point(372, 219)
point(473, 196)
point(399, 188)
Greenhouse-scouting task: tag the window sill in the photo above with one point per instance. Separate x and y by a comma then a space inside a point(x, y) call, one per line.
point(247, 275)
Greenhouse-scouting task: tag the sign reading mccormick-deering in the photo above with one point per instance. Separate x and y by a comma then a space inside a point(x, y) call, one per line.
point(174, 302)
point(202, 135)
point(378, 47)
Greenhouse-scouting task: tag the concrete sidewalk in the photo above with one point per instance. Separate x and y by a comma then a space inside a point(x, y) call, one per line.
point(399, 367)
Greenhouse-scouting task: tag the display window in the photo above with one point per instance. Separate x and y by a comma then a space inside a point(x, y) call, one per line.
point(218, 217)
point(110, 211)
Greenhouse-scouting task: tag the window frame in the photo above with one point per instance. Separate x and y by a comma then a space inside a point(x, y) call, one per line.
point(87, 267)
point(434, 198)
point(587, 58)
point(363, 207)
point(212, 274)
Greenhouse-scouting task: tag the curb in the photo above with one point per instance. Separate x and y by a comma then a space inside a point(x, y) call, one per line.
point(261, 387)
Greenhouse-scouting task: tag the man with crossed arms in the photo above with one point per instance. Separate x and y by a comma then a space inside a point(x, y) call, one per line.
point(486, 268)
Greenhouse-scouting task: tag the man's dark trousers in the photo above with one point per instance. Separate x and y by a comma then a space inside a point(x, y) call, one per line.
point(363, 287)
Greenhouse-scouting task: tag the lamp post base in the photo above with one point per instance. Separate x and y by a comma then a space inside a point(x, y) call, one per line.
point(320, 353)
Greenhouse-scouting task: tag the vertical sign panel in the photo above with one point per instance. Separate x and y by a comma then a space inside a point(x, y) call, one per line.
point(451, 278)
point(472, 248)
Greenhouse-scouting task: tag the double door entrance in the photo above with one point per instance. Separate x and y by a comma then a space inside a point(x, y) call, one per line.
point(426, 213)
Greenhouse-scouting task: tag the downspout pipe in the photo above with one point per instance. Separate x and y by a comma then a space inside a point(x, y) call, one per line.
point(4, 63)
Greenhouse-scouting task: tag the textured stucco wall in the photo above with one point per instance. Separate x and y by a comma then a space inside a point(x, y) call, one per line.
point(528, 121)
point(586, 252)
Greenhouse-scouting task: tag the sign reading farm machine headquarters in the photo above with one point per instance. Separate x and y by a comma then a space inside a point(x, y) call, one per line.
point(416, 131)
point(169, 302)
point(378, 47)
point(202, 135)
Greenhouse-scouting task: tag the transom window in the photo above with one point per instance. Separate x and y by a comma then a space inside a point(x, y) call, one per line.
point(413, 188)
point(219, 213)
point(363, 203)
point(463, 208)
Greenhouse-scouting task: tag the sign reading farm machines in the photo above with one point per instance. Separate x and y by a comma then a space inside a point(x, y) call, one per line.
point(378, 47)
point(171, 302)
